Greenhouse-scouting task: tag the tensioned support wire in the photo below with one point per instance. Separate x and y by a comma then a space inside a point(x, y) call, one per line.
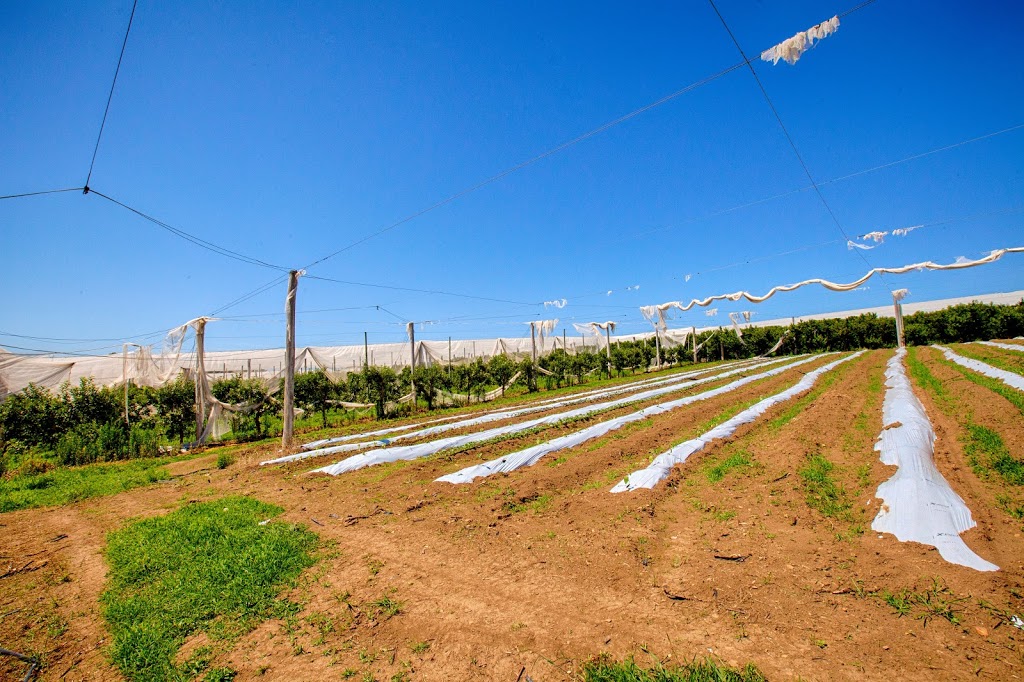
point(785, 131)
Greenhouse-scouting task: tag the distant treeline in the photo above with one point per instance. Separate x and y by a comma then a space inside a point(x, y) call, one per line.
point(86, 423)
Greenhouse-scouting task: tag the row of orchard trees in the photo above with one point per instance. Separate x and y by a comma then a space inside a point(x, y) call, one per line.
point(86, 423)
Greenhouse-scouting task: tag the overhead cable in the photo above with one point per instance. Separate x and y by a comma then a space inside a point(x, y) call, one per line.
point(198, 241)
point(110, 97)
point(550, 152)
point(789, 138)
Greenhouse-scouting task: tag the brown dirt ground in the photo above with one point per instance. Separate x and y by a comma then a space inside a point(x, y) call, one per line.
point(543, 568)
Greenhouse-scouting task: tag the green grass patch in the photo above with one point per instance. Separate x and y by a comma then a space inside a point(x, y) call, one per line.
point(936, 601)
point(65, 485)
point(1015, 397)
point(920, 373)
point(207, 567)
point(1012, 507)
point(987, 453)
point(823, 493)
point(534, 503)
point(604, 669)
point(736, 460)
point(1011, 361)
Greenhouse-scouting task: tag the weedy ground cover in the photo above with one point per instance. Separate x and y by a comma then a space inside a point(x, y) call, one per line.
point(66, 485)
point(212, 567)
point(604, 669)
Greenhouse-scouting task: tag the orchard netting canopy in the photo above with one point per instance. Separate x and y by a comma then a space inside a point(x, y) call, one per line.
point(146, 366)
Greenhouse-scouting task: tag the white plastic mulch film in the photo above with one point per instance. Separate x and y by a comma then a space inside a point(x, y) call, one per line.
point(409, 452)
point(1009, 378)
point(1004, 346)
point(530, 455)
point(918, 504)
point(316, 448)
point(960, 264)
point(662, 465)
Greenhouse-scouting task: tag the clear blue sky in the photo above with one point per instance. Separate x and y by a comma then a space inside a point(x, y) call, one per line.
point(286, 131)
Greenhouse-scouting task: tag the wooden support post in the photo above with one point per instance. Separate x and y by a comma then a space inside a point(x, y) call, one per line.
point(289, 360)
point(608, 348)
point(693, 333)
point(533, 342)
point(721, 345)
point(125, 373)
point(897, 296)
point(200, 377)
point(657, 348)
point(411, 328)
point(366, 351)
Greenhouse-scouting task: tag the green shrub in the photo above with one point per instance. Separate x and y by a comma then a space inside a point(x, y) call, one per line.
point(112, 441)
point(224, 460)
point(143, 442)
point(79, 446)
point(34, 466)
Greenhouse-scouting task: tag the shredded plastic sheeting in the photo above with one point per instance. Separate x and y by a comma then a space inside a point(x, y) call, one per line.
point(841, 286)
point(531, 455)
point(1005, 346)
point(1009, 378)
point(790, 49)
point(919, 505)
point(662, 465)
point(318, 449)
point(424, 449)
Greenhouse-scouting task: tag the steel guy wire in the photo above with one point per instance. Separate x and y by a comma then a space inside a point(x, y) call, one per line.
point(552, 151)
point(789, 138)
point(198, 241)
point(110, 97)
point(35, 194)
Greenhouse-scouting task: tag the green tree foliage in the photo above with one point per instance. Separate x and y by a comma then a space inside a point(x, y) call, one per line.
point(501, 370)
point(528, 374)
point(430, 380)
point(176, 405)
point(252, 396)
point(382, 386)
point(314, 391)
point(558, 363)
point(33, 416)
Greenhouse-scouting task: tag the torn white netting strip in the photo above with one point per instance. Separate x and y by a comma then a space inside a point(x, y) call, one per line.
point(500, 414)
point(530, 455)
point(1004, 346)
point(1009, 378)
point(918, 504)
point(424, 449)
point(662, 465)
point(790, 49)
point(842, 286)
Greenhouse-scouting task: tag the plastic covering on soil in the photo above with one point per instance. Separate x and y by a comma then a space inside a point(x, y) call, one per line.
point(1004, 346)
point(662, 465)
point(918, 504)
point(408, 452)
point(538, 406)
point(530, 455)
point(497, 415)
point(1009, 378)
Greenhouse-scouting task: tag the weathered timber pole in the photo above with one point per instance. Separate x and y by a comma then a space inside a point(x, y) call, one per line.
point(289, 360)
